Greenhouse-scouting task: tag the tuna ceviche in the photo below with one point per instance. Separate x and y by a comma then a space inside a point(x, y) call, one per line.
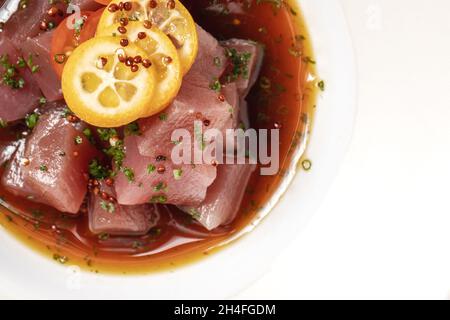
point(96, 98)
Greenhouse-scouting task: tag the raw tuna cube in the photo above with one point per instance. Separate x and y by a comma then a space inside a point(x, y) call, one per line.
point(16, 102)
point(51, 167)
point(196, 101)
point(26, 22)
point(185, 184)
point(37, 52)
point(210, 62)
point(251, 51)
point(192, 104)
point(106, 216)
point(224, 197)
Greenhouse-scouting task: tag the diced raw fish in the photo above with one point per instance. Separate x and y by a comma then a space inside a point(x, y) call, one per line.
point(16, 103)
point(210, 62)
point(158, 180)
point(37, 52)
point(192, 104)
point(26, 21)
point(106, 216)
point(224, 197)
point(256, 52)
point(197, 101)
point(51, 167)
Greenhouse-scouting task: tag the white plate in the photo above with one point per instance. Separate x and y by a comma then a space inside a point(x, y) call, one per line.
point(25, 274)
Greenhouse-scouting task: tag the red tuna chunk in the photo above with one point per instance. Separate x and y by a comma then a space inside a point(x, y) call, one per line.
point(178, 185)
point(195, 101)
point(26, 22)
point(210, 62)
point(16, 102)
point(37, 52)
point(192, 104)
point(107, 216)
point(224, 197)
point(51, 167)
point(253, 54)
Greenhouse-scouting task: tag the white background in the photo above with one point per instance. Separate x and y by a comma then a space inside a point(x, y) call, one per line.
point(384, 229)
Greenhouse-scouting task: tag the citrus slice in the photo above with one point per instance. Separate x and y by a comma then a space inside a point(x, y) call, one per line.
point(102, 85)
point(170, 16)
point(162, 54)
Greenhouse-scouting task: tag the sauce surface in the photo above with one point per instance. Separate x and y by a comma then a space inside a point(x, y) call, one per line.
point(282, 98)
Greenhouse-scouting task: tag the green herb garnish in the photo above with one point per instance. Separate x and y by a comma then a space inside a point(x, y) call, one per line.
point(129, 173)
point(106, 134)
point(11, 76)
point(31, 120)
point(151, 168)
point(321, 85)
point(240, 64)
point(177, 173)
point(108, 206)
point(216, 86)
point(160, 187)
point(78, 140)
point(97, 171)
point(159, 199)
point(132, 129)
